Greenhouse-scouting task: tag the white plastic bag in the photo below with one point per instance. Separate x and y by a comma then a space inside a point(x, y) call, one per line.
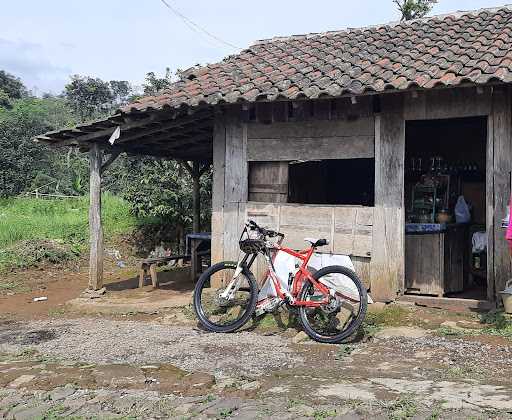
point(462, 214)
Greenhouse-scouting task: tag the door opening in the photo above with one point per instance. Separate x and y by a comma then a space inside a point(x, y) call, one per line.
point(445, 196)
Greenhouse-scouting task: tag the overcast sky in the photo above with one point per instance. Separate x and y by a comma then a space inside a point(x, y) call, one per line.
point(44, 42)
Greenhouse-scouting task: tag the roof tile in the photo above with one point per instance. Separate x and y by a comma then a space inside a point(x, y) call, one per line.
point(443, 50)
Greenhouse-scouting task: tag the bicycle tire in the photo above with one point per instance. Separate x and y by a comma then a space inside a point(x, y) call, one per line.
point(356, 323)
point(198, 307)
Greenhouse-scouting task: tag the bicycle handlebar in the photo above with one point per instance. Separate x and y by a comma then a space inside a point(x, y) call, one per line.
point(251, 224)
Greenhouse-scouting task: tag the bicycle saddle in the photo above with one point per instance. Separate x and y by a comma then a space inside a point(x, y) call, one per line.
point(317, 242)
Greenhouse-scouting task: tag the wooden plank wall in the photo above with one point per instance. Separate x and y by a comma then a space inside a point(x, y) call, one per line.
point(260, 173)
point(328, 139)
point(348, 229)
point(234, 148)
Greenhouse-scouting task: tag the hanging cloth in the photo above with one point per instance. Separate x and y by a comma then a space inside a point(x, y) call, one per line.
point(508, 235)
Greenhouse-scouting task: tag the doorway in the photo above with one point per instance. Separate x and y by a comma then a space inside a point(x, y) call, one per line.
point(445, 200)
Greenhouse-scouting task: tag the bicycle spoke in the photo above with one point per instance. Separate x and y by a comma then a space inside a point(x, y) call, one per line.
point(225, 311)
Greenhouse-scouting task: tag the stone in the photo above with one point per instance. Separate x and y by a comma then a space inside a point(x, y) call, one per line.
point(350, 416)
point(470, 325)
point(450, 324)
point(225, 383)
point(93, 294)
point(300, 337)
point(184, 408)
point(29, 413)
point(119, 376)
point(61, 393)
point(405, 332)
point(21, 380)
point(198, 382)
point(223, 408)
point(251, 386)
point(302, 410)
point(124, 403)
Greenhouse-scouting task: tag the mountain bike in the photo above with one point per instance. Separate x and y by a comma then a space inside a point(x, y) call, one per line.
point(331, 302)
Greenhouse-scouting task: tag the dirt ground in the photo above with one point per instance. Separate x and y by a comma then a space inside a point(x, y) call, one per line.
point(59, 360)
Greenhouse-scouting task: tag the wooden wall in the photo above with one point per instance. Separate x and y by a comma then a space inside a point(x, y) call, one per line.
point(336, 129)
point(348, 229)
point(328, 139)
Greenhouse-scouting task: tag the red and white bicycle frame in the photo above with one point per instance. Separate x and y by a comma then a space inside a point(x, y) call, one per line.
point(302, 274)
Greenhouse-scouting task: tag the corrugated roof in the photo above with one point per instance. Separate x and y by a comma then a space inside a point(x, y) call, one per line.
point(449, 50)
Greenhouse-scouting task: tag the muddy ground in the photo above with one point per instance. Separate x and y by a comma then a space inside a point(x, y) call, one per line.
point(409, 362)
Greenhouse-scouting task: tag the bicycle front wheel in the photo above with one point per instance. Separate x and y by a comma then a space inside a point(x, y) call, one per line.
point(345, 313)
point(219, 314)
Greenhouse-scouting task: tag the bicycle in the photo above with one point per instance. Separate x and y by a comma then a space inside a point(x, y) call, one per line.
point(331, 302)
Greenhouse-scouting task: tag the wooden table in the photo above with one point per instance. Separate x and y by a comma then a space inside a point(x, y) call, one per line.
point(194, 241)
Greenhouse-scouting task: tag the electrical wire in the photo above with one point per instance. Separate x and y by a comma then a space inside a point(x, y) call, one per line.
point(196, 28)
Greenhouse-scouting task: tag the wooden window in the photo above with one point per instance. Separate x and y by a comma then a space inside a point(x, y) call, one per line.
point(268, 182)
point(328, 182)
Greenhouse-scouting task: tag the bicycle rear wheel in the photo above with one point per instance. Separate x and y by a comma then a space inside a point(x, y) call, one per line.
point(221, 315)
point(337, 321)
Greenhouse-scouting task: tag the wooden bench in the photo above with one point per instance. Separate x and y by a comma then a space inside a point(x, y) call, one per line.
point(150, 265)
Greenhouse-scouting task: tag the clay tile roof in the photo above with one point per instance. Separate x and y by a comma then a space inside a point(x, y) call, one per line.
point(463, 47)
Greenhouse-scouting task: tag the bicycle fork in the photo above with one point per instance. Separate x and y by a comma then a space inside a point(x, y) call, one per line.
point(234, 284)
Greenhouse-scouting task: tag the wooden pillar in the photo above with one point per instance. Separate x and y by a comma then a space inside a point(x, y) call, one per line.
point(387, 267)
point(95, 228)
point(196, 197)
point(500, 166)
point(219, 168)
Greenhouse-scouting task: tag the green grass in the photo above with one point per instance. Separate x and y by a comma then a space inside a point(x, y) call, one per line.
point(63, 221)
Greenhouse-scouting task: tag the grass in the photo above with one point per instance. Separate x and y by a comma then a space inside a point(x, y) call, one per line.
point(60, 223)
point(404, 407)
point(390, 316)
point(344, 350)
point(496, 324)
point(66, 219)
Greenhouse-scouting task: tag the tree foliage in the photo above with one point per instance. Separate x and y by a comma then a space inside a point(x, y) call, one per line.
point(154, 84)
point(11, 88)
point(158, 188)
point(91, 97)
point(414, 9)
point(24, 163)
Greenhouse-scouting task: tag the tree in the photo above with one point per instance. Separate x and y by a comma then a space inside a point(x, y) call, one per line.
point(121, 91)
point(153, 84)
point(11, 88)
point(162, 189)
point(89, 97)
point(23, 163)
point(414, 9)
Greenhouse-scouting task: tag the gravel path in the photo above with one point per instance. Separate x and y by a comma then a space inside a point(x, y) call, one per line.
point(107, 341)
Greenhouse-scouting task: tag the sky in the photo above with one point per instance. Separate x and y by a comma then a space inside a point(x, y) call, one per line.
point(45, 42)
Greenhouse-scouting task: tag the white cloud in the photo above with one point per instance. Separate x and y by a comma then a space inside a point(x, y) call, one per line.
point(29, 62)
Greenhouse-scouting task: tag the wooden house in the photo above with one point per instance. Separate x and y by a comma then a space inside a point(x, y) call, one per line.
point(360, 136)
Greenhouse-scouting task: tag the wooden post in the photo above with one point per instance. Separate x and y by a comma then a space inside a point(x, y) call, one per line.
point(387, 267)
point(500, 169)
point(196, 197)
point(95, 228)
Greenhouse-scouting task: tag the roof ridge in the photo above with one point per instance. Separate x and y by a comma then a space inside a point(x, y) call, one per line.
point(442, 16)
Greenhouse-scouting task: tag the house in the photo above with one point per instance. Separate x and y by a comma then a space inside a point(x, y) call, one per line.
point(367, 137)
